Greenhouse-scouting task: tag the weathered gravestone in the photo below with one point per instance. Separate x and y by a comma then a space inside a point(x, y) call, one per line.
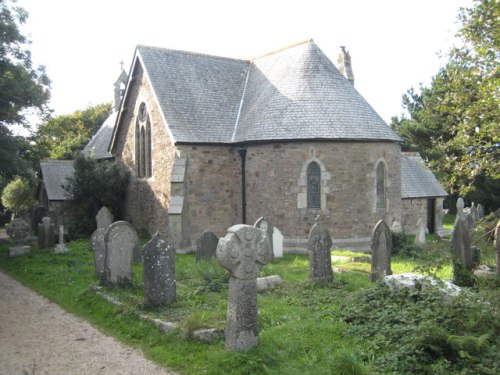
point(469, 220)
point(46, 233)
point(480, 211)
point(206, 246)
point(19, 231)
point(243, 251)
point(319, 245)
point(104, 218)
point(473, 212)
point(159, 271)
point(462, 251)
point(38, 214)
point(277, 243)
point(381, 246)
point(497, 246)
point(61, 246)
point(120, 239)
point(460, 208)
point(420, 235)
point(267, 230)
point(99, 248)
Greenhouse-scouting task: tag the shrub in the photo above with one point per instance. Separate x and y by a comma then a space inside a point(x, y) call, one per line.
point(18, 195)
point(404, 244)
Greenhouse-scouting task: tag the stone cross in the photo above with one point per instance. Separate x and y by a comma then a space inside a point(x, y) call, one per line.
point(46, 233)
point(159, 271)
point(206, 246)
point(99, 248)
point(420, 235)
point(120, 239)
point(104, 218)
point(243, 251)
point(497, 246)
point(461, 243)
point(267, 230)
point(61, 246)
point(319, 245)
point(460, 208)
point(381, 251)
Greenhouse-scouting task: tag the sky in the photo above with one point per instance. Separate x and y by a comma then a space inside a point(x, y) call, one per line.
point(394, 44)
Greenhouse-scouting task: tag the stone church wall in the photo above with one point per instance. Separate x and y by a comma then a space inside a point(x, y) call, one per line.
point(413, 210)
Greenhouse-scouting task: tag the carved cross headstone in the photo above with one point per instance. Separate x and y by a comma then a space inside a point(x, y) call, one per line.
point(120, 240)
point(460, 208)
point(99, 248)
point(104, 218)
point(320, 258)
point(461, 243)
point(420, 235)
point(159, 271)
point(243, 251)
point(206, 246)
point(267, 230)
point(61, 246)
point(497, 246)
point(46, 233)
point(381, 251)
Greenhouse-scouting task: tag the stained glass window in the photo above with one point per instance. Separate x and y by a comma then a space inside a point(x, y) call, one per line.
point(380, 186)
point(313, 186)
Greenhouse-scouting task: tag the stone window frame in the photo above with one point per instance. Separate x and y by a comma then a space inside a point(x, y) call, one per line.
point(302, 185)
point(143, 140)
point(380, 196)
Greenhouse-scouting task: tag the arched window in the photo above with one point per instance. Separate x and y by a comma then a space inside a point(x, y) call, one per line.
point(380, 187)
point(313, 185)
point(143, 155)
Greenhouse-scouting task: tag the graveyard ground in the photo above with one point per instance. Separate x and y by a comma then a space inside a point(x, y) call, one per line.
point(348, 326)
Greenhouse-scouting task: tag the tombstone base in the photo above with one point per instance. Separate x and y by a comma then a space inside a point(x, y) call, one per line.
point(60, 248)
point(19, 250)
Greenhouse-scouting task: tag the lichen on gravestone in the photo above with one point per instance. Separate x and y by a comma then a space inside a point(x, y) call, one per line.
point(381, 246)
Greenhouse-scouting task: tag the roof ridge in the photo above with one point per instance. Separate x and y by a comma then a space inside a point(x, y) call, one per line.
point(305, 41)
point(201, 54)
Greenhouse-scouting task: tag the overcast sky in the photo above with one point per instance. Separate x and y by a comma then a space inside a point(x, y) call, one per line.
point(394, 44)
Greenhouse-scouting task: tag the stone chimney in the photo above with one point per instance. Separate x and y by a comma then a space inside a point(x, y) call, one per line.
point(120, 89)
point(344, 64)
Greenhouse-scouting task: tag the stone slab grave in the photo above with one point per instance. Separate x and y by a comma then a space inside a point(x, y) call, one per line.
point(320, 261)
point(99, 249)
point(410, 281)
point(159, 271)
point(120, 239)
point(206, 246)
point(46, 233)
point(104, 218)
point(61, 246)
point(267, 229)
point(381, 251)
point(420, 240)
point(268, 282)
point(242, 252)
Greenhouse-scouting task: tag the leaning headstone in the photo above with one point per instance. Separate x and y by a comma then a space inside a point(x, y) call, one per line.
point(99, 248)
point(277, 243)
point(243, 251)
point(38, 214)
point(462, 251)
point(267, 230)
point(104, 218)
point(61, 246)
point(120, 239)
point(460, 208)
point(420, 235)
point(497, 246)
point(473, 212)
point(18, 230)
point(381, 246)
point(320, 258)
point(480, 211)
point(206, 246)
point(46, 233)
point(159, 271)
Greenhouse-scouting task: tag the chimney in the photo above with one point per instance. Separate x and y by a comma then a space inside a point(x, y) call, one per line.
point(344, 64)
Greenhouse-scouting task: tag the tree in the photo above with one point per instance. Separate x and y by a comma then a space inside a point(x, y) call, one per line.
point(63, 137)
point(95, 183)
point(454, 122)
point(18, 195)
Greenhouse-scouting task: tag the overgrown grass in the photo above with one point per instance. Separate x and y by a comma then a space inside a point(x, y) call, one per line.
point(348, 326)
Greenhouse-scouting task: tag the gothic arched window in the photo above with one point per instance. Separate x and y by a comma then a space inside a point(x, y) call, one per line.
point(380, 186)
point(143, 143)
point(313, 185)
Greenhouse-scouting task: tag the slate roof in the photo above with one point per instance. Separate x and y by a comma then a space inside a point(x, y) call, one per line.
point(53, 174)
point(99, 144)
point(295, 93)
point(417, 180)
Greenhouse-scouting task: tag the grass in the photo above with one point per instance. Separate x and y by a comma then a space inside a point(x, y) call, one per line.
point(303, 325)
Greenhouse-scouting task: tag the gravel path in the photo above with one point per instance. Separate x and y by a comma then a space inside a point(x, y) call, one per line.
point(38, 337)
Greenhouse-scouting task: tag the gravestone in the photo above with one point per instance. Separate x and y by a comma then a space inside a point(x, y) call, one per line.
point(460, 208)
point(420, 235)
point(469, 220)
point(104, 218)
point(243, 251)
point(480, 211)
point(46, 233)
point(206, 246)
point(497, 246)
point(159, 271)
point(381, 246)
point(267, 230)
point(19, 231)
point(473, 212)
point(461, 243)
point(120, 239)
point(61, 246)
point(38, 214)
point(99, 249)
point(277, 243)
point(319, 245)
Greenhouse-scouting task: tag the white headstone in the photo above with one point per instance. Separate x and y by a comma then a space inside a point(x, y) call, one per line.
point(460, 208)
point(277, 243)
